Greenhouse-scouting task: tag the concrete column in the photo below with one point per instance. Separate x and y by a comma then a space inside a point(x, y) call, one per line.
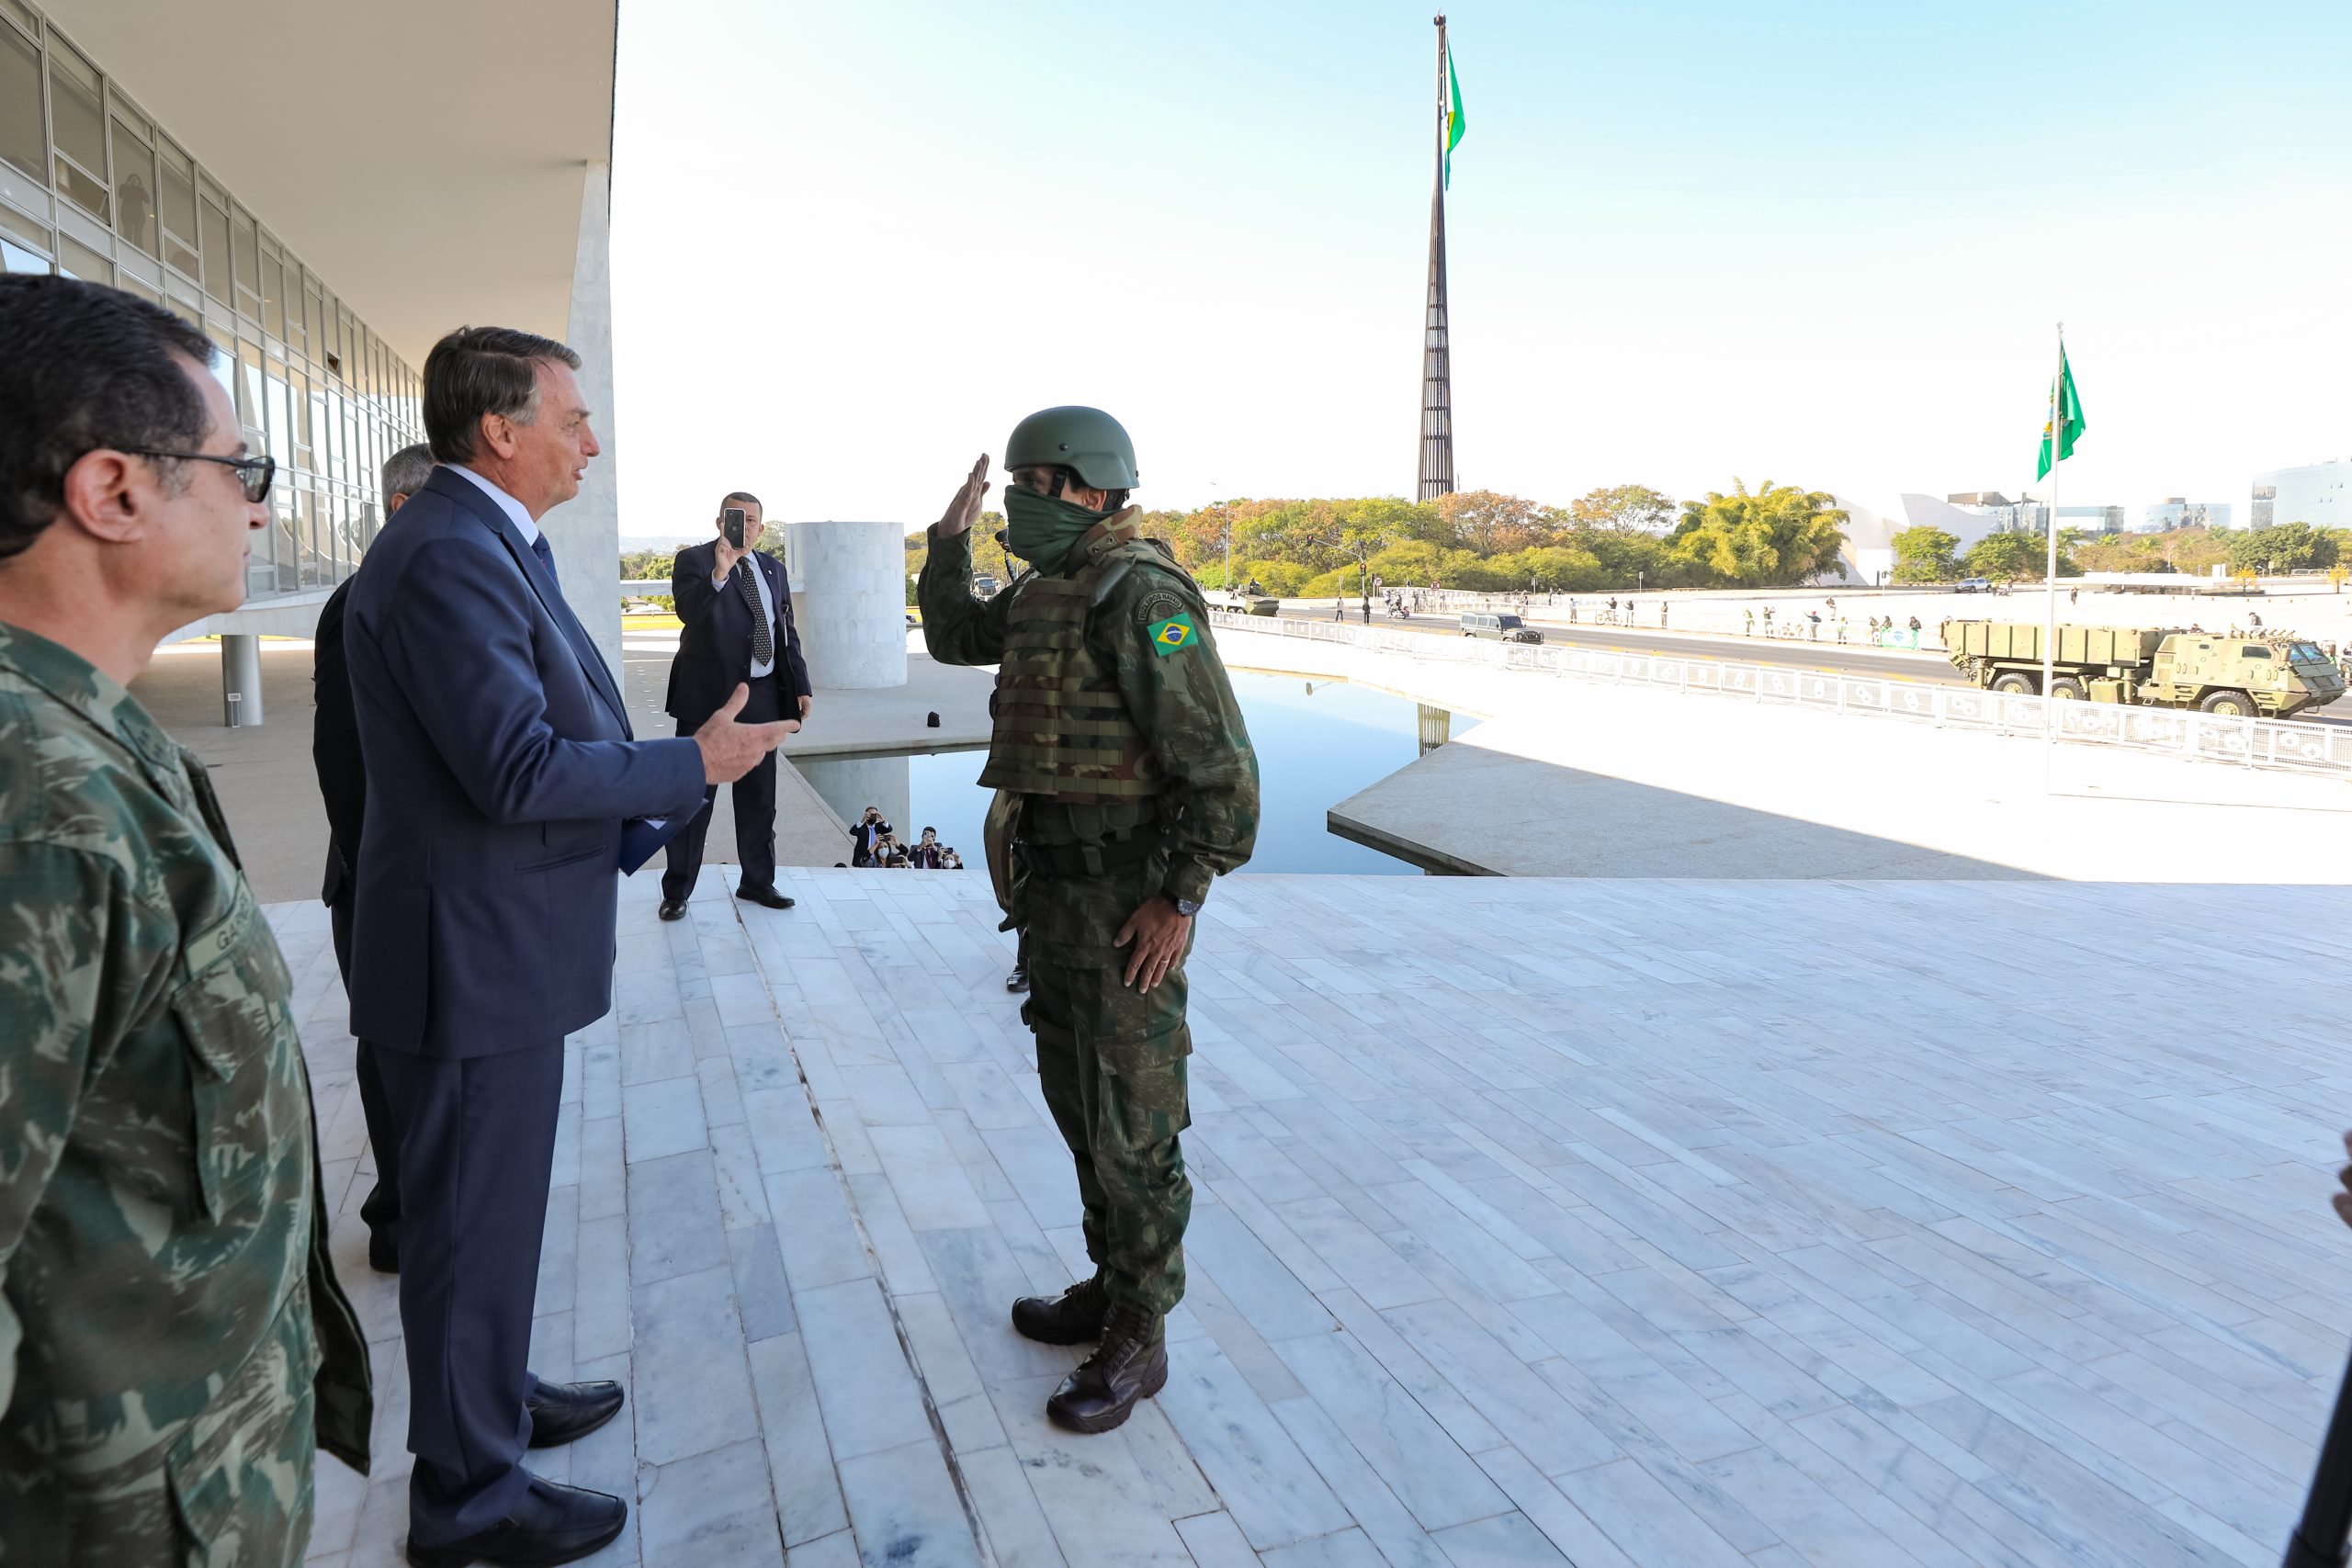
point(240, 680)
point(585, 532)
point(849, 592)
point(850, 784)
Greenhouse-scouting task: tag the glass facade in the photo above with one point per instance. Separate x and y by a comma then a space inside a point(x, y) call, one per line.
point(92, 188)
point(2316, 493)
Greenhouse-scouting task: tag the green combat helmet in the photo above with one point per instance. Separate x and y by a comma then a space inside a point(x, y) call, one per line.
point(1086, 441)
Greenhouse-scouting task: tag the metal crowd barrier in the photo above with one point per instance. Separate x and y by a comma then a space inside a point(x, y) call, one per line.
point(2291, 744)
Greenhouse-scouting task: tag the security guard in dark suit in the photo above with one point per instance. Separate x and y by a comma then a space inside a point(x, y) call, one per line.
point(736, 607)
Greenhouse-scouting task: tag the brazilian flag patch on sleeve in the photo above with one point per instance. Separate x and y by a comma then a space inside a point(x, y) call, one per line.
point(1173, 635)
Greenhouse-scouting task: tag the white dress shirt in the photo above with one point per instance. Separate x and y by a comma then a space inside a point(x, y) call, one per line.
point(506, 504)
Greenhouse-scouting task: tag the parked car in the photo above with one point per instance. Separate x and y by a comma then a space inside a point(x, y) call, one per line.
point(1500, 628)
point(1975, 585)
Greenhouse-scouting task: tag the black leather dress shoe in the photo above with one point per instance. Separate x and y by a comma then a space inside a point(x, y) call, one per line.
point(766, 897)
point(554, 1523)
point(563, 1411)
point(1018, 980)
point(674, 909)
point(1074, 1317)
point(383, 1253)
point(1131, 1363)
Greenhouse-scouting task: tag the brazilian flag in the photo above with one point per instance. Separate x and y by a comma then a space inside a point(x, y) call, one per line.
point(2071, 422)
point(1456, 120)
point(1171, 635)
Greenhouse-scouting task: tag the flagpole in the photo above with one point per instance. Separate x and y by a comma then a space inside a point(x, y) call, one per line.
point(2049, 581)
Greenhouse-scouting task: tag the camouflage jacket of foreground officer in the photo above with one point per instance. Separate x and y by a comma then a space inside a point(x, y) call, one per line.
point(173, 1341)
point(1175, 692)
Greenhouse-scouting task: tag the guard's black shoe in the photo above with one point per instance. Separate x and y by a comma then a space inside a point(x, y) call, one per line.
point(1130, 1364)
point(1074, 1317)
point(766, 897)
point(674, 909)
point(383, 1252)
point(563, 1411)
point(1018, 980)
point(554, 1523)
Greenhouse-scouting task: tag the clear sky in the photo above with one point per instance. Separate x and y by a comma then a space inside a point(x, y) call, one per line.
point(1822, 243)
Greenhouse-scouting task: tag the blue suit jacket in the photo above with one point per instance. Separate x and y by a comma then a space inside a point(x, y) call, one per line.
point(500, 767)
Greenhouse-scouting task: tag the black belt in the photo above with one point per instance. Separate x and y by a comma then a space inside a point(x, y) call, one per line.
point(1090, 860)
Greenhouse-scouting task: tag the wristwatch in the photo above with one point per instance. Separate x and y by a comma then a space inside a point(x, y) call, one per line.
point(1187, 908)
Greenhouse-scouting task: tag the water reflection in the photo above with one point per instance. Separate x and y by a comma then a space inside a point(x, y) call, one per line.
point(1318, 742)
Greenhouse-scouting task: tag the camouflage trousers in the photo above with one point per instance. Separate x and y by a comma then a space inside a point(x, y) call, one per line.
point(1111, 1063)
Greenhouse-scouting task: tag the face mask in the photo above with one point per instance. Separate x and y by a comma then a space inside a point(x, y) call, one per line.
point(1040, 529)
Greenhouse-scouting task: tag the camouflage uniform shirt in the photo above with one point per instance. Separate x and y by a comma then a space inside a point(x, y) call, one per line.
point(173, 1341)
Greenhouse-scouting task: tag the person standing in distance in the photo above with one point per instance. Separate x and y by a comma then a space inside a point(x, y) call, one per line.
point(174, 1345)
point(501, 770)
point(343, 784)
point(1118, 733)
point(735, 607)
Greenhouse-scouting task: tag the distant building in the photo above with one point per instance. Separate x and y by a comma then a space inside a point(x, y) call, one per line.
point(2179, 511)
point(2316, 493)
point(2023, 515)
point(2092, 519)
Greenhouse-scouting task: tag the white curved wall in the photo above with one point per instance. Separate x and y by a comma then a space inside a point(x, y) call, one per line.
point(849, 592)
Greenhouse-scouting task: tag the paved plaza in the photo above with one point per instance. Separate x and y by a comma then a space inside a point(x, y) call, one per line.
point(1685, 1225)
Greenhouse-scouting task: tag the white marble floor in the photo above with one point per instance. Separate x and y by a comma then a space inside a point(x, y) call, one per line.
point(1670, 1224)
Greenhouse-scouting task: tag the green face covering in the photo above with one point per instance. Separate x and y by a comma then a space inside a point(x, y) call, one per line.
point(1040, 529)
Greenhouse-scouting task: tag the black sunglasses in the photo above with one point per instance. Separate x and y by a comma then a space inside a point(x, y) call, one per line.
point(254, 473)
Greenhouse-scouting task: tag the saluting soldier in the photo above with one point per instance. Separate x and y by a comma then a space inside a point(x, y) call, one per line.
point(173, 1341)
point(1134, 784)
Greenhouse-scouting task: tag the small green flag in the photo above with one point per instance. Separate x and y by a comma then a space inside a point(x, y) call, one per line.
point(2071, 422)
point(1456, 121)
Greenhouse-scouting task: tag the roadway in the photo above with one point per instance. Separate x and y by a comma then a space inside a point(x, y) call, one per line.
point(1830, 658)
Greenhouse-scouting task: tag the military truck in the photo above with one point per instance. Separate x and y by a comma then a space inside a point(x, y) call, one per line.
point(2273, 674)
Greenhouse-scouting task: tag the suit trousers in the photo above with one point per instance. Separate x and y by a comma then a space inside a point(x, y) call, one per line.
point(755, 808)
point(477, 1138)
point(382, 1209)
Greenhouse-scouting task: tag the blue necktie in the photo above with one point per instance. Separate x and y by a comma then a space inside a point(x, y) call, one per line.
point(546, 558)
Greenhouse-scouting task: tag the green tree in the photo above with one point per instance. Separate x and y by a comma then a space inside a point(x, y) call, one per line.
point(2016, 556)
point(1924, 554)
point(1487, 520)
point(1621, 508)
point(1772, 536)
point(2284, 547)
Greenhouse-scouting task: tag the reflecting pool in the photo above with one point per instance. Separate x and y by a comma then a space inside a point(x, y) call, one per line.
point(1318, 742)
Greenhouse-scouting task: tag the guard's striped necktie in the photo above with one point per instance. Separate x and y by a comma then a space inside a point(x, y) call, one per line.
point(762, 643)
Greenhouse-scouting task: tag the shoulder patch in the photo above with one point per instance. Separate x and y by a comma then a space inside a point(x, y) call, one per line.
point(1173, 635)
point(1159, 605)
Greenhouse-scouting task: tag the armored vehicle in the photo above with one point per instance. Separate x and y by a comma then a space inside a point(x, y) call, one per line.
point(2273, 674)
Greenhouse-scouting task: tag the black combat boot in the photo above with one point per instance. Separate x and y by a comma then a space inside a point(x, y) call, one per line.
point(1075, 1317)
point(1130, 1364)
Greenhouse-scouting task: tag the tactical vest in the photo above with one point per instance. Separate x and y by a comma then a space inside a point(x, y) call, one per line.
point(1062, 728)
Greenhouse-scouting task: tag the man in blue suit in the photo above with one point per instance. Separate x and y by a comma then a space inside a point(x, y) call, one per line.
point(500, 769)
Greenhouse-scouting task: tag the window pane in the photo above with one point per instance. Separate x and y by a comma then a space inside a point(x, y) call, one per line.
point(272, 294)
point(225, 361)
point(21, 142)
point(178, 209)
point(251, 404)
point(14, 257)
point(76, 259)
point(15, 11)
point(248, 257)
point(134, 188)
point(281, 413)
point(79, 123)
point(213, 220)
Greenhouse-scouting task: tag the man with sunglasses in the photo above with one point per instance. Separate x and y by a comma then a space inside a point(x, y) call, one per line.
point(174, 1345)
point(1134, 784)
